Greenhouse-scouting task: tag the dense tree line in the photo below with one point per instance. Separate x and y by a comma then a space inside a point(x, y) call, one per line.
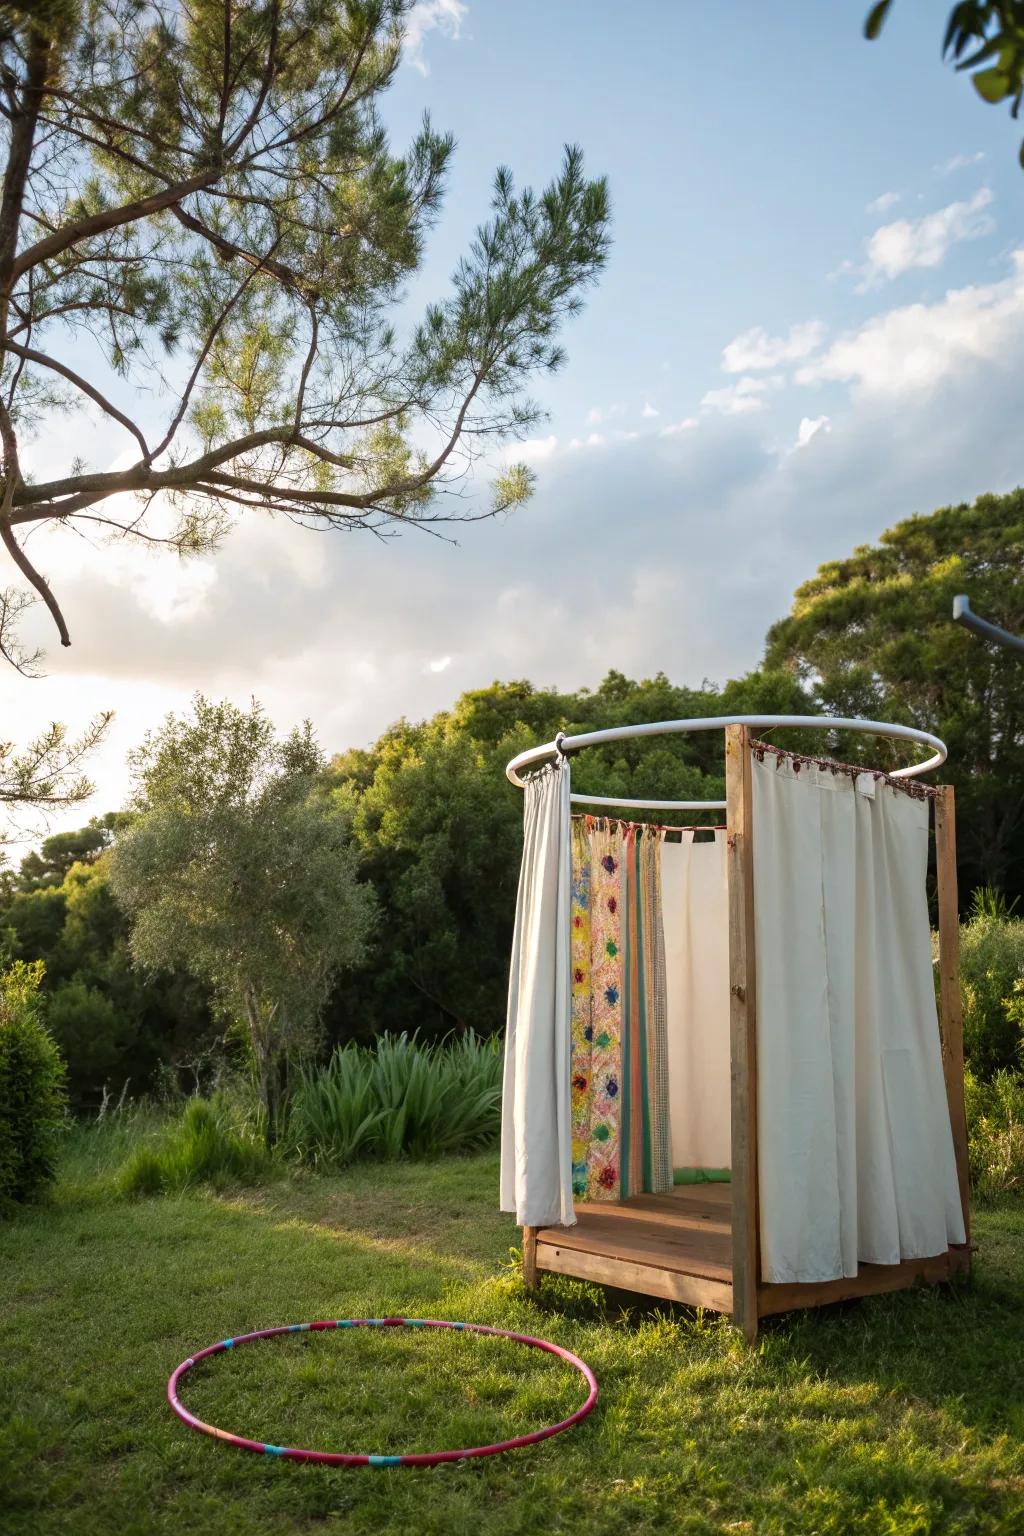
point(114, 1022)
point(433, 827)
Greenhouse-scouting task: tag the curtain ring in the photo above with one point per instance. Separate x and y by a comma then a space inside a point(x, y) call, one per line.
point(563, 754)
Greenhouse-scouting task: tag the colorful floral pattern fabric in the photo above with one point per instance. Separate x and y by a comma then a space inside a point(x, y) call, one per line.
point(582, 1029)
point(603, 1181)
point(620, 1133)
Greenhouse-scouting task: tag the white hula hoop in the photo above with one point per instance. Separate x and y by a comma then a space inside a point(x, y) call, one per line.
point(534, 756)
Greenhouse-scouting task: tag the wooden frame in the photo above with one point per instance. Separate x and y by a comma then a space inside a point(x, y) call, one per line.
point(951, 1014)
point(742, 1030)
point(700, 1246)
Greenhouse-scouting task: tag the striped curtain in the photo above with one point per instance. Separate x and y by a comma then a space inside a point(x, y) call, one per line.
point(621, 1141)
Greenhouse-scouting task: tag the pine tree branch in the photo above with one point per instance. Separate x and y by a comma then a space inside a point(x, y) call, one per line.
point(30, 355)
point(110, 218)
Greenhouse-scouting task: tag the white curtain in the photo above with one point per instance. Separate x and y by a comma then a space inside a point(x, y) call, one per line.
point(696, 915)
point(536, 1141)
point(855, 1152)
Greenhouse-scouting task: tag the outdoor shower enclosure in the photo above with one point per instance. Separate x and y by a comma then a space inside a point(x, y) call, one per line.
point(846, 1130)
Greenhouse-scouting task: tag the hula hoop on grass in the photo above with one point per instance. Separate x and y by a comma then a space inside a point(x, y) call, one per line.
point(344, 1459)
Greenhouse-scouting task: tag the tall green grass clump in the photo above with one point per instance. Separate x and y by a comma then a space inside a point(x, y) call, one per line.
point(991, 977)
point(995, 1133)
point(209, 1143)
point(402, 1098)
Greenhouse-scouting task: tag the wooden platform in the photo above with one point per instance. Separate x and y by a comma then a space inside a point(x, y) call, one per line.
point(679, 1246)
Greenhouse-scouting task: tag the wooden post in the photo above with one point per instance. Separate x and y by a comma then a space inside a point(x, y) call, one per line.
point(743, 1031)
point(530, 1258)
point(950, 1002)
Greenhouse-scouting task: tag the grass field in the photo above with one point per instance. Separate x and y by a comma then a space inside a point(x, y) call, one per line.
point(902, 1416)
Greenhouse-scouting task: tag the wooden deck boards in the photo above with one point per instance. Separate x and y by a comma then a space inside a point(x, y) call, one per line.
point(678, 1246)
point(686, 1232)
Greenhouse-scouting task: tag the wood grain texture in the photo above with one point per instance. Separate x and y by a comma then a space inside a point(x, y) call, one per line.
point(871, 1280)
point(950, 1003)
point(743, 1029)
point(660, 1244)
point(530, 1258)
point(629, 1275)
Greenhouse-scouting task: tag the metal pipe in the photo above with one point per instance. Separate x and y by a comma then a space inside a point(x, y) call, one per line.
point(965, 615)
point(650, 805)
point(565, 744)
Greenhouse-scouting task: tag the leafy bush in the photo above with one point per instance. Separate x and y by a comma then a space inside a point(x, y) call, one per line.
point(403, 1098)
point(995, 1133)
point(91, 1032)
point(31, 1087)
point(991, 967)
point(209, 1144)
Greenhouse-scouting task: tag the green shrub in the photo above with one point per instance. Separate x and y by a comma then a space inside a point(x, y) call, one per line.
point(31, 1087)
point(209, 1144)
point(991, 969)
point(91, 1033)
point(995, 1133)
point(402, 1098)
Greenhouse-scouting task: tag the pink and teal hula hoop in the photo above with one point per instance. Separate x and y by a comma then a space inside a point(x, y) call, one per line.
point(345, 1459)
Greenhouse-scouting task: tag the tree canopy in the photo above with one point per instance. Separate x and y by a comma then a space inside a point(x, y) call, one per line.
point(61, 850)
point(237, 869)
point(440, 830)
point(241, 852)
point(872, 635)
point(201, 208)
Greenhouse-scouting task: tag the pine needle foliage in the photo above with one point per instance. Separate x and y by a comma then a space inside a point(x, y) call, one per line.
point(201, 209)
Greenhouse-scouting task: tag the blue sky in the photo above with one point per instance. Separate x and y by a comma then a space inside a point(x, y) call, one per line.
point(811, 324)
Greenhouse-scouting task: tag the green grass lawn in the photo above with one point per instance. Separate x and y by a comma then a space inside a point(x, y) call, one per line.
point(899, 1415)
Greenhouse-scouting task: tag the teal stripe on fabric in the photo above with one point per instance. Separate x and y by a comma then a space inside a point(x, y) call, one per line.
point(645, 1102)
point(657, 1024)
point(626, 1085)
point(384, 1461)
point(273, 1450)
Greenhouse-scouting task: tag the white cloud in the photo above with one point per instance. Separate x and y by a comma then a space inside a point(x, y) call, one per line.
point(533, 451)
point(755, 349)
point(445, 16)
point(809, 428)
point(170, 588)
point(599, 413)
point(592, 440)
point(883, 203)
point(333, 626)
point(908, 243)
point(649, 411)
point(959, 162)
point(915, 347)
point(440, 665)
point(686, 425)
point(746, 395)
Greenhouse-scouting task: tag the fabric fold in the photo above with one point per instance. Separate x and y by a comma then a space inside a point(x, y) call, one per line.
point(536, 1132)
point(855, 1150)
point(696, 929)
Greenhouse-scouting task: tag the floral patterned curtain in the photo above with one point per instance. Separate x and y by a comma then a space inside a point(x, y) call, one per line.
point(620, 1117)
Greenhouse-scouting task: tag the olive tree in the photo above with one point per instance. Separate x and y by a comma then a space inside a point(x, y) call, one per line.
point(237, 868)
